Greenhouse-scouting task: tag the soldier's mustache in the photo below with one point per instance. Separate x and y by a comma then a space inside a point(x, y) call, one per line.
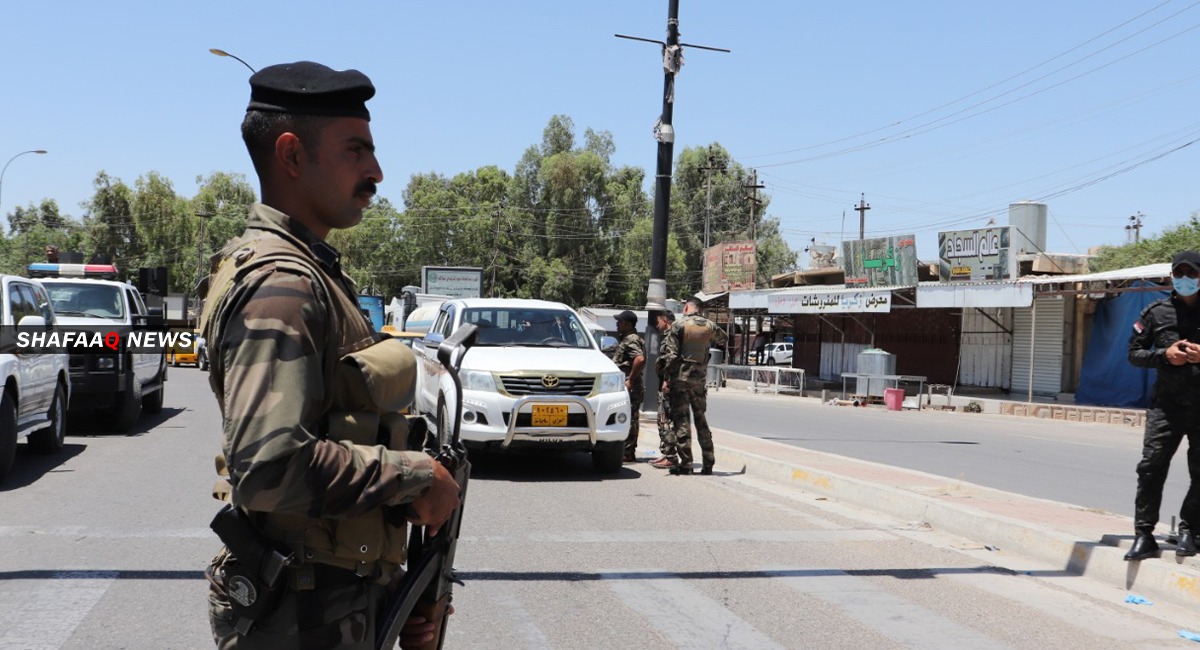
point(365, 187)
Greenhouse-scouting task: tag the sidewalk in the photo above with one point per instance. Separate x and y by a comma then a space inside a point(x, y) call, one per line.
point(1080, 541)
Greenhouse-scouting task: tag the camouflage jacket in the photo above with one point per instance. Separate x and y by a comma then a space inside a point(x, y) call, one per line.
point(630, 348)
point(685, 348)
point(286, 343)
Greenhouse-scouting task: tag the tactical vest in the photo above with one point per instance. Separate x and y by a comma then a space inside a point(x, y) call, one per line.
point(367, 382)
point(693, 344)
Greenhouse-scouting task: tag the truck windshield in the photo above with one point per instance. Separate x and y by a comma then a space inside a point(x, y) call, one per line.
point(86, 299)
point(527, 327)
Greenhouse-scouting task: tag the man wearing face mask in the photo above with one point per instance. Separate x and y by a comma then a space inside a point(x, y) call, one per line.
point(1166, 337)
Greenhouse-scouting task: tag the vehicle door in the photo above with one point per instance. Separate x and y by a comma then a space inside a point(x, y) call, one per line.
point(35, 373)
point(145, 364)
point(431, 368)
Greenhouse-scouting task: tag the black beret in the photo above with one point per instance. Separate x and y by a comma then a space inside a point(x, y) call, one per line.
point(627, 316)
point(307, 88)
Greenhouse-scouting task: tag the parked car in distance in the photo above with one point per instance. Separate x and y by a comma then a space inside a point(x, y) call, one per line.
point(33, 405)
point(778, 354)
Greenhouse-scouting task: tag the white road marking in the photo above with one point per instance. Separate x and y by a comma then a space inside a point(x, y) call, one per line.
point(42, 614)
point(901, 620)
point(686, 617)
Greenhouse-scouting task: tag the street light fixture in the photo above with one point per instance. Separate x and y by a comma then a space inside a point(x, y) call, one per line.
point(10, 162)
point(219, 52)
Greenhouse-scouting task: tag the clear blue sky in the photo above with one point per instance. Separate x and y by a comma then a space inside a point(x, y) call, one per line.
point(942, 112)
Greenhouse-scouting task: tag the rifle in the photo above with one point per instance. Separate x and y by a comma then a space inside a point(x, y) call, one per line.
point(428, 583)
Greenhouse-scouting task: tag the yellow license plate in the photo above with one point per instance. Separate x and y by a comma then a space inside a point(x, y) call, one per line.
point(549, 415)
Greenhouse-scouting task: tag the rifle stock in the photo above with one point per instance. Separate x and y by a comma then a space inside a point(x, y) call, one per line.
point(427, 587)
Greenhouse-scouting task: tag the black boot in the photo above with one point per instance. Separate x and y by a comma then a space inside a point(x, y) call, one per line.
point(681, 470)
point(1144, 547)
point(706, 470)
point(1186, 546)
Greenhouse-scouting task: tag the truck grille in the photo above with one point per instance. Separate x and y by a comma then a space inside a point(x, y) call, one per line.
point(537, 385)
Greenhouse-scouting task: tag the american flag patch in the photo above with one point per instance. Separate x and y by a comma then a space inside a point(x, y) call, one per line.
point(1138, 327)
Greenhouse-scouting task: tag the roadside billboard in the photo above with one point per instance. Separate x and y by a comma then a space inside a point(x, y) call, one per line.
point(982, 254)
point(880, 262)
point(453, 281)
point(730, 266)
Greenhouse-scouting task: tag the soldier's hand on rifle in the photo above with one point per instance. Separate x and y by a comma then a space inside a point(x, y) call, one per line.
point(434, 507)
point(417, 631)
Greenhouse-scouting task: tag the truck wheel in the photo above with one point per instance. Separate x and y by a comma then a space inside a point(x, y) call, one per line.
point(607, 456)
point(122, 415)
point(153, 402)
point(8, 434)
point(50, 439)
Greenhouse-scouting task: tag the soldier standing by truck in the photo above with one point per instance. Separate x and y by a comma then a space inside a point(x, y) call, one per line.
point(630, 357)
point(687, 374)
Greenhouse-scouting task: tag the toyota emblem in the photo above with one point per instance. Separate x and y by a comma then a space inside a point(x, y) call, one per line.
point(550, 381)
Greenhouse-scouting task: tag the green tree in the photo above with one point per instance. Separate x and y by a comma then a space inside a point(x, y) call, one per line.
point(161, 218)
point(108, 221)
point(1153, 250)
point(720, 198)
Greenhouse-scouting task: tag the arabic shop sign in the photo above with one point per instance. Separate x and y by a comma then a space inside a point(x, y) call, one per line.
point(976, 255)
point(453, 281)
point(730, 266)
point(881, 262)
point(841, 302)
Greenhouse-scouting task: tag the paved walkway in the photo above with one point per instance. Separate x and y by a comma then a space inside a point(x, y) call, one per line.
point(1080, 541)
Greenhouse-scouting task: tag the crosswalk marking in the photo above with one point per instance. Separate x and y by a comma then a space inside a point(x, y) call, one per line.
point(901, 620)
point(686, 617)
point(42, 614)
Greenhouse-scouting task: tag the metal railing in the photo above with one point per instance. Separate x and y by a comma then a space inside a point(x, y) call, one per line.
point(772, 379)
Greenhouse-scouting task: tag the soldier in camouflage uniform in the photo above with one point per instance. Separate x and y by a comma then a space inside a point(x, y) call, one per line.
point(663, 321)
point(313, 443)
point(630, 357)
point(686, 368)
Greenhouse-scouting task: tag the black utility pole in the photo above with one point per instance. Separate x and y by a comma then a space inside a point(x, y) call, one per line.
point(664, 133)
point(1134, 230)
point(754, 186)
point(862, 208)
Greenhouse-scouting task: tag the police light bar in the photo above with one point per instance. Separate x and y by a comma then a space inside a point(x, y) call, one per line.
point(92, 271)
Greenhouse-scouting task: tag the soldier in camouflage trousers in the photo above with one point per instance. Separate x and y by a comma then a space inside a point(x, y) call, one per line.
point(666, 439)
point(630, 357)
point(686, 366)
point(313, 446)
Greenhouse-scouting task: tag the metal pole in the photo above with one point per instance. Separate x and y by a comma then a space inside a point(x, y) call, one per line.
point(656, 292)
point(39, 151)
point(1032, 338)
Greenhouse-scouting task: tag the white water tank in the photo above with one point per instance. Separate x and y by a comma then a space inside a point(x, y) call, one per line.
point(1028, 221)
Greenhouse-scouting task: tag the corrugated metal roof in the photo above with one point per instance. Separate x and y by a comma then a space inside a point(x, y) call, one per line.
point(1150, 271)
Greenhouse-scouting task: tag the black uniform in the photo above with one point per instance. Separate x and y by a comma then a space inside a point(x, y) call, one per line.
point(1174, 411)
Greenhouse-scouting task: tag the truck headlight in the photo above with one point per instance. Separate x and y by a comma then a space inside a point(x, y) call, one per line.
point(477, 380)
point(612, 382)
point(106, 363)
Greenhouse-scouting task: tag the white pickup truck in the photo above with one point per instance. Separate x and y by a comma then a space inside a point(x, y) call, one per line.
point(534, 379)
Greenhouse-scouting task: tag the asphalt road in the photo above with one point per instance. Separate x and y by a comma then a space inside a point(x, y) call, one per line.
point(104, 546)
point(1090, 465)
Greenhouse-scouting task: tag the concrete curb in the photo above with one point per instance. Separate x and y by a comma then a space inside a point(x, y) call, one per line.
point(1081, 542)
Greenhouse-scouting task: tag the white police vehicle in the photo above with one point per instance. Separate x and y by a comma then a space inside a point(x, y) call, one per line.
point(37, 387)
point(122, 384)
point(535, 379)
